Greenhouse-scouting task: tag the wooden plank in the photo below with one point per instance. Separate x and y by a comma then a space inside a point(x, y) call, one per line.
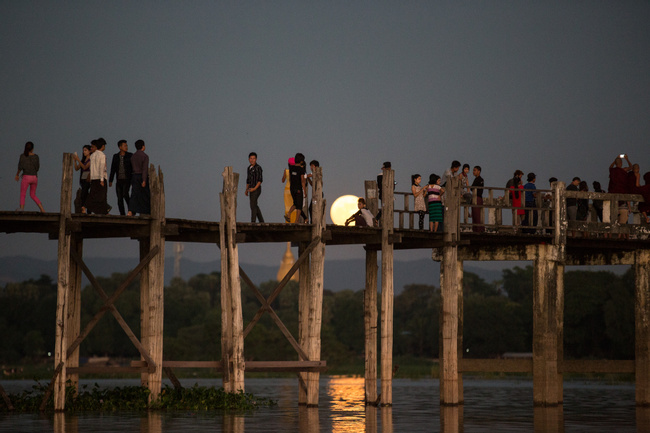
point(50, 388)
point(172, 377)
point(496, 365)
point(249, 365)
point(597, 366)
point(101, 369)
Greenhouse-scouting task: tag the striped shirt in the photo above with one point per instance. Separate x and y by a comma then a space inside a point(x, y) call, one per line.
point(434, 193)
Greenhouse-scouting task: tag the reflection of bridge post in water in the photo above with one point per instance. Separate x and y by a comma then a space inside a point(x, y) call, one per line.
point(308, 421)
point(151, 422)
point(387, 419)
point(371, 418)
point(548, 419)
point(451, 419)
point(233, 423)
point(642, 416)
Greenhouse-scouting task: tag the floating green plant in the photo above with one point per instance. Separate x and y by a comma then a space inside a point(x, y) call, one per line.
point(135, 398)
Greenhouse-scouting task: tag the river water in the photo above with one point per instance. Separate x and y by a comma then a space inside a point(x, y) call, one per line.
point(490, 406)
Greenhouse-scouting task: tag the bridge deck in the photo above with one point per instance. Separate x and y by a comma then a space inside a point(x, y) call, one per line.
point(183, 230)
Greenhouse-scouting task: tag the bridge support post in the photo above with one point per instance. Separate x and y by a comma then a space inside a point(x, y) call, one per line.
point(63, 285)
point(370, 327)
point(317, 265)
point(73, 317)
point(232, 319)
point(387, 290)
point(451, 290)
point(642, 327)
point(303, 318)
point(548, 319)
point(152, 294)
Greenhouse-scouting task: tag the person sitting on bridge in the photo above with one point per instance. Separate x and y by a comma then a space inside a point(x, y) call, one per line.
point(363, 217)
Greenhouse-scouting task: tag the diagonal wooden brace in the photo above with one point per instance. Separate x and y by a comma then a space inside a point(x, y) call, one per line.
point(266, 304)
point(109, 305)
point(273, 315)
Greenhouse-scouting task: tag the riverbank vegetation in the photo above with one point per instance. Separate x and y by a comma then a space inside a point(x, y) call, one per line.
point(598, 323)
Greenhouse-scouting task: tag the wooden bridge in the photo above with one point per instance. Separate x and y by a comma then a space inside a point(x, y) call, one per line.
point(551, 245)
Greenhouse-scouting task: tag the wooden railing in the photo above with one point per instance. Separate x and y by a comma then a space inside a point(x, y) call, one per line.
point(499, 215)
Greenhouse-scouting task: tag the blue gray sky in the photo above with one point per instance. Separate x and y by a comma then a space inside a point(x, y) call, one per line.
point(557, 88)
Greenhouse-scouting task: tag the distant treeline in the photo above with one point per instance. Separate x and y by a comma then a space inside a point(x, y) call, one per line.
point(598, 319)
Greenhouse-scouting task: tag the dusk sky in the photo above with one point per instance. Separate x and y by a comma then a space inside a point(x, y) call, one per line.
point(556, 88)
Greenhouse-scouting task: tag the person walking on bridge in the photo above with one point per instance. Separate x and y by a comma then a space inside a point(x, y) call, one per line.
point(254, 186)
point(28, 164)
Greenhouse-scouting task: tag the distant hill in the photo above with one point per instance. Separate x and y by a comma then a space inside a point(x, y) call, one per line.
point(339, 274)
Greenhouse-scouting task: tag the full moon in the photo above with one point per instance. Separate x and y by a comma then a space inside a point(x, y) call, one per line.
point(342, 208)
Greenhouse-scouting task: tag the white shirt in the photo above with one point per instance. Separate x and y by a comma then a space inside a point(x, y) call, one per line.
point(98, 165)
point(365, 213)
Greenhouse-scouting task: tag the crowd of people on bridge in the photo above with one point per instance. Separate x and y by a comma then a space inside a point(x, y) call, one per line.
point(128, 170)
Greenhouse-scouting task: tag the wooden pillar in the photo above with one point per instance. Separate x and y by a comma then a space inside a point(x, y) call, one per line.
point(548, 295)
point(144, 245)
point(450, 290)
point(303, 317)
point(642, 327)
point(226, 307)
point(370, 326)
point(73, 318)
point(459, 288)
point(372, 200)
point(237, 365)
point(63, 283)
point(316, 285)
point(155, 294)
point(387, 292)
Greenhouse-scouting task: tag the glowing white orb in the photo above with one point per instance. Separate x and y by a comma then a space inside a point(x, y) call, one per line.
point(342, 208)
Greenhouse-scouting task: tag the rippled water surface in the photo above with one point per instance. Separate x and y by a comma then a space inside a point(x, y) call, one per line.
point(490, 405)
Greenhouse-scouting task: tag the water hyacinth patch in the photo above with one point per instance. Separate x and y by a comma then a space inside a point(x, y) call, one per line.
point(135, 398)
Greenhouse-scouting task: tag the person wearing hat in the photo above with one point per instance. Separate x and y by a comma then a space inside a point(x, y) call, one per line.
point(530, 196)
